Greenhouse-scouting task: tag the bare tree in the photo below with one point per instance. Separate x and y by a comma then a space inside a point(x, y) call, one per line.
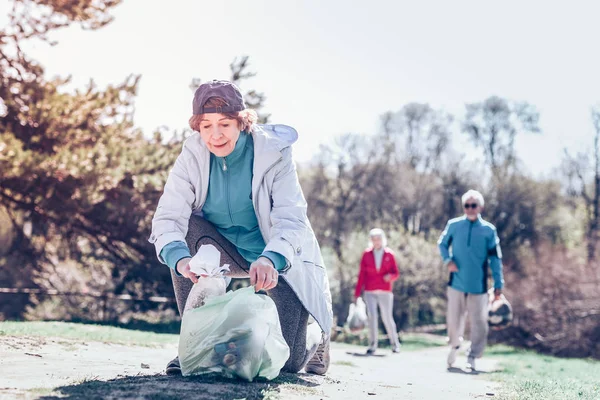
point(417, 138)
point(494, 124)
point(585, 185)
point(419, 134)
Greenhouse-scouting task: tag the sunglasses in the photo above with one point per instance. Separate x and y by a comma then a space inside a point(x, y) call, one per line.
point(472, 205)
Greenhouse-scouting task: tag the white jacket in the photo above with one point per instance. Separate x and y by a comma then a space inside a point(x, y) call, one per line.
point(278, 202)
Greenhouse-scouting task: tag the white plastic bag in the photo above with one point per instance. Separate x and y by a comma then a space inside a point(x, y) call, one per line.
point(211, 281)
point(500, 312)
point(235, 334)
point(357, 316)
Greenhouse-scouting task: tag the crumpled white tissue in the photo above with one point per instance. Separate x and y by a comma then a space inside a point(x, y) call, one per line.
point(211, 281)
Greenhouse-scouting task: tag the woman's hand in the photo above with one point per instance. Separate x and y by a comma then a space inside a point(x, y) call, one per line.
point(183, 267)
point(387, 277)
point(263, 275)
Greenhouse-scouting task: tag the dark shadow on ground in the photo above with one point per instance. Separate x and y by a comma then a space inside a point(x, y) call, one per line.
point(162, 387)
point(455, 370)
point(138, 325)
point(365, 354)
point(504, 351)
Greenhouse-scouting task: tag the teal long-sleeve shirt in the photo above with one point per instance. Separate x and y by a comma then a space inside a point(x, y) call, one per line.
point(229, 207)
point(472, 245)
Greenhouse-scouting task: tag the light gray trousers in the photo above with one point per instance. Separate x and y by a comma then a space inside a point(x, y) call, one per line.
point(385, 301)
point(292, 314)
point(476, 305)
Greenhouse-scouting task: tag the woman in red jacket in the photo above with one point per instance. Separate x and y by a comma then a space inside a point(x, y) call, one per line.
point(377, 272)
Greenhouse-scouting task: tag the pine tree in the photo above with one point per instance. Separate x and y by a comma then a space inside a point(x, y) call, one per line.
point(78, 182)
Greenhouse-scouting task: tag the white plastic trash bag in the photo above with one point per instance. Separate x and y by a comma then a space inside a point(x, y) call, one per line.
point(236, 334)
point(357, 316)
point(206, 259)
point(211, 281)
point(500, 312)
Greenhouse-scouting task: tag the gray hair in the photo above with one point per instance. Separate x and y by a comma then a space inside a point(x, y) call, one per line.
point(473, 194)
point(377, 232)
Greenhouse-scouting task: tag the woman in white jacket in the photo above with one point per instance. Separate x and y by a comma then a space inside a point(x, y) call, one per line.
point(235, 186)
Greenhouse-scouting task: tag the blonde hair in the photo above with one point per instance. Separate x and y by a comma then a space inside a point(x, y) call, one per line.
point(473, 194)
point(246, 119)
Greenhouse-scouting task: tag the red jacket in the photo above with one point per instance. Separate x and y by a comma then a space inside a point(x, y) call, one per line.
point(369, 278)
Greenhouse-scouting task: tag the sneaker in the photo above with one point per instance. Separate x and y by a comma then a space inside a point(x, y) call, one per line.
point(370, 352)
point(173, 367)
point(319, 363)
point(396, 349)
point(471, 363)
point(452, 356)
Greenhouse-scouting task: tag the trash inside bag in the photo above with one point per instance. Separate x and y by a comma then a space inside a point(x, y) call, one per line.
point(357, 316)
point(201, 291)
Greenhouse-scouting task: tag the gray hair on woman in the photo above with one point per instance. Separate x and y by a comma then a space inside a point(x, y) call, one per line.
point(377, 232)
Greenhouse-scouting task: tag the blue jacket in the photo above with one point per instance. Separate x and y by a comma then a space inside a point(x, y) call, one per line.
point(473, 245)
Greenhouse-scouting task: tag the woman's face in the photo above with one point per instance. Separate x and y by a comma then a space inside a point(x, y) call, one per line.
point(377, 242)
point(220, 133)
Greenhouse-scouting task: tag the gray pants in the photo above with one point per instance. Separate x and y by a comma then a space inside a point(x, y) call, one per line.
point(385, 300)
point(292, 314)
point(476, 305)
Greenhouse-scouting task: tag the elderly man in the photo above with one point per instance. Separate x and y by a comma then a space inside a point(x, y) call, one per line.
point(467, 245)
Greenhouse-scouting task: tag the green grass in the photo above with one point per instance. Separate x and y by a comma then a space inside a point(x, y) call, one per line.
point(526, 375)
point(413, 341)
point(111, 334)
point(87, 332)
point(41, 391)
point(409, 341)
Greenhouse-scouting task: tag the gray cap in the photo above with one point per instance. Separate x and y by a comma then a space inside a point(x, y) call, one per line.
point(222, 89)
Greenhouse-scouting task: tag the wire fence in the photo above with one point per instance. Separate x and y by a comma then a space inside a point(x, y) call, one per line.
point(106, 296)
point(106, 301)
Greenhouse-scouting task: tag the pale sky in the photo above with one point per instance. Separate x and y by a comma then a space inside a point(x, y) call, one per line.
point(329, 67)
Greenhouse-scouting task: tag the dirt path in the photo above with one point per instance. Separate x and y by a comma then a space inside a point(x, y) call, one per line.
point(36, 368)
